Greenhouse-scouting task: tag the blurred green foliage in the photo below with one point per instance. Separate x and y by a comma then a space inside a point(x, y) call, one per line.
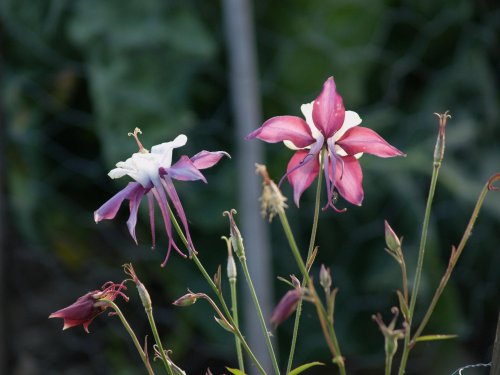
point(79, 75)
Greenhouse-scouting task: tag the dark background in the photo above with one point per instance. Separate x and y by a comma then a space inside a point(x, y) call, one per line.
point(78, 75)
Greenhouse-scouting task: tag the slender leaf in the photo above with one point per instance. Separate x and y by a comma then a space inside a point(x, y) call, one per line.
point(435, 337)
point(235, 371)
point(304, 367)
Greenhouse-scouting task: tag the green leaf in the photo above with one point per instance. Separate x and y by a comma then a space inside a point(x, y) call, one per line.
point(304, 367)
point(435, 337)
point(403, 306)
point(235, 371)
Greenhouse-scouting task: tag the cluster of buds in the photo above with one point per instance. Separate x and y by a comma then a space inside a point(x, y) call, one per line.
point(86, 308)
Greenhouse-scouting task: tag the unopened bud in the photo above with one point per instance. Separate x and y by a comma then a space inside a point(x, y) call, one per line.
point(236, 238)
point(231, 268)
point(391, 335)
point(286, 306)
point(391, 239)
point(325, 277)
point(440, 142)
point(143, 292)
point(186, 300)
point(295, 281)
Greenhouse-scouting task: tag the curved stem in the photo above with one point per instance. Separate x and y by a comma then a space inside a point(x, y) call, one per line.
point(312, 241)
point(219, 295)
point(130, 331)
point(262, 321)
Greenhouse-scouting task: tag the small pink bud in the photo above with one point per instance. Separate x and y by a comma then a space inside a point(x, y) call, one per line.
point(186, 300)
point(286, 306)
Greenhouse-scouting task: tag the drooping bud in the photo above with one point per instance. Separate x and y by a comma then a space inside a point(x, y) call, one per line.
point(186, 300)
point(325, 277)
point(272, 200)
point(286, 306)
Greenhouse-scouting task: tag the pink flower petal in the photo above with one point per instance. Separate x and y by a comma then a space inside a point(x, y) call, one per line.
point(109, 209)
point(151, 205)
point(185, 170)
point(328, 109)
point(359, 139)
point(348, 178)
point(206, 159)
point(302, 177)
point(281, 128)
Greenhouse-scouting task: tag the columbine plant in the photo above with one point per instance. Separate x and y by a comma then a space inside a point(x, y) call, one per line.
point(327, 143)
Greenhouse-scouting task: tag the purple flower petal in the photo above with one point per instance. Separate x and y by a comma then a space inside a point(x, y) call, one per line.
point(328, 109)
point(302, 176)
point(135, 200)
point(206, 159)
point(360, 139)
point(281, 128)
point(151, 205)
point(185, 170)
point(174, 197)
point(109, 209)
point(348, 179)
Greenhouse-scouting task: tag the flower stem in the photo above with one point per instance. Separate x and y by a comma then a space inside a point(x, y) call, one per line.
point(149, 313)
point(130, 331)
point(263, 326)
point(454, 258)
point(326, 325)
point(234, 308)
point(438, 158)
point(309, 253)
point(222, 301)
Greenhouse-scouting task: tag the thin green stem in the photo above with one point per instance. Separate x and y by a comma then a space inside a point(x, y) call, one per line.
point(222, 301)
point(326, 325)
point(453, 260)
point(388, 364)
point(130, 331)
point(312, 241)
point(149, 313)
point(420, 263)
point(262, 321)
point(234, 308)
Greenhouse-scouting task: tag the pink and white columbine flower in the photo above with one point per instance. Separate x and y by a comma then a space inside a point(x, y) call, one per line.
point(329, 134)
point(153, 172)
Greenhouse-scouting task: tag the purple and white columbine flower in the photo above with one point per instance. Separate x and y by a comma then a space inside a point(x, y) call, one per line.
point(329, 132)
point(153, 173)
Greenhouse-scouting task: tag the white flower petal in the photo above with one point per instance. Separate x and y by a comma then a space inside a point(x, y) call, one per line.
point(307, 112)
point(290, 145)
point(351, 120)
point(117, 173)
point(163, 151)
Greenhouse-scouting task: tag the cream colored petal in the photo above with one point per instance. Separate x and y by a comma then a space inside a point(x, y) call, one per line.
point(351, 120)
point(307, 112)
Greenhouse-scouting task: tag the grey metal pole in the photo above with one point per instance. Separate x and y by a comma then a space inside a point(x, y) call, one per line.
point(247, 114)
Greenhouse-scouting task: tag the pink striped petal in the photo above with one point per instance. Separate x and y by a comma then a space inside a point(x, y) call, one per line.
point(284, 128)
point(301, 177)
point(109, 209)
point(185, 170)
point(348, 178)
point(206, 159)
point(328, 109)
point(151, 205)
point(359, 139)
